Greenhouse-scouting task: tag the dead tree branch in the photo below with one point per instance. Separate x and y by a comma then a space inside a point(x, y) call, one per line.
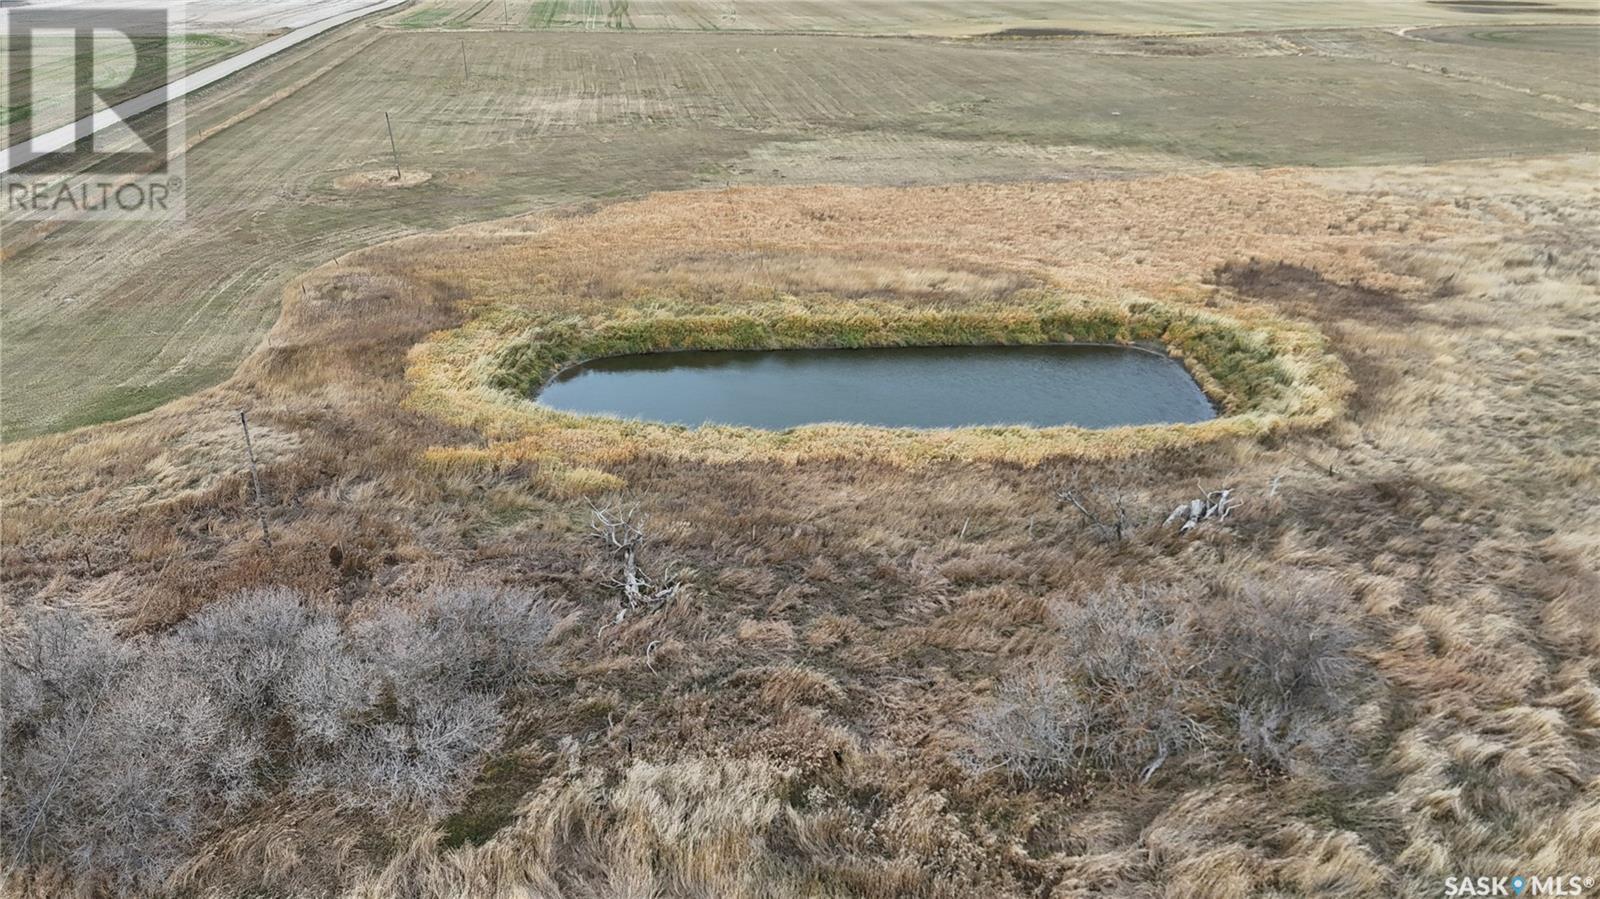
point(1110, 504)
point(621, 530)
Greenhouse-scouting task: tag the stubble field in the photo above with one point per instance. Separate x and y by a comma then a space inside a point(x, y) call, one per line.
point(208, 30)
point(946, 18)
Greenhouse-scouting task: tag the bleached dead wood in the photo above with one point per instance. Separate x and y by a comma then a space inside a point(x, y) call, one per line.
point(621, 531)
point(1214, 505)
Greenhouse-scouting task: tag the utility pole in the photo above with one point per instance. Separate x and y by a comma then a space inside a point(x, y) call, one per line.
point(255, 479)
point(466, 75)
point(392, 148)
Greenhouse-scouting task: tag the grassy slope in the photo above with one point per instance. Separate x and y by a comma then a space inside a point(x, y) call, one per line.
point(791, 726)
point(145, 317)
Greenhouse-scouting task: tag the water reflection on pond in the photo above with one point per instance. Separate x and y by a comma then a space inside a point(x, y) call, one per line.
point(913, 387)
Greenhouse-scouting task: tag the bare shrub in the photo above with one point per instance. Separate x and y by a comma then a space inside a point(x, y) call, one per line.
point(326, 688)
point(117, 780)
point(246, 649)
point(1119, 695)
point(139, 781)
point(120, 755)
point(271, 662)
point(422, 757)
point(1286, 650)
point(1136, 656)
point(1139, 676)
point(479, 639)
point(60, 660)
point(439, 671)
point(1032, 727)
point(58, 669)
point(1111, 500)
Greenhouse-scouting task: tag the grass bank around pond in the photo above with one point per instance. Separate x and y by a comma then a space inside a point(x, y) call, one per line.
point(1264, 374)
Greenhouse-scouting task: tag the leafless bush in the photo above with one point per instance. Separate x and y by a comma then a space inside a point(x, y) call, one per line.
point(422, 757)
point(1120, 695)
point(474, 639)
point(1141, 676)
point(272, 664)
point(439, 671)
point(56, 672)
point(60, 660)
point(1033, 728)
point(119, 755)
point(327, 688)
point(1286, 650)
point(108, 766)
point(248, 648)
point(135, 778)
point(1110, 501)
point(1137, 658)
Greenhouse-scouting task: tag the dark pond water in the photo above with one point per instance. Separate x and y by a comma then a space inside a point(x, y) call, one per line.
point(913, 387)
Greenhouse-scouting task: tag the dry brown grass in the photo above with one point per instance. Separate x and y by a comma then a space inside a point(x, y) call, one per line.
point(947, 265)
point(793, 724)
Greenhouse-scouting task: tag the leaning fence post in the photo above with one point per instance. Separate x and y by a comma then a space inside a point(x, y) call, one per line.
point(255, 479)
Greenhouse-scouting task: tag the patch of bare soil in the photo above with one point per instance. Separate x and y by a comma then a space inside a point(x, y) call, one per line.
point(1341, 310)
point(387, 178)
point(1308, 294)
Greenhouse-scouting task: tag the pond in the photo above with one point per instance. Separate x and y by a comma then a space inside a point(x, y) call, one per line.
point(901, 387)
